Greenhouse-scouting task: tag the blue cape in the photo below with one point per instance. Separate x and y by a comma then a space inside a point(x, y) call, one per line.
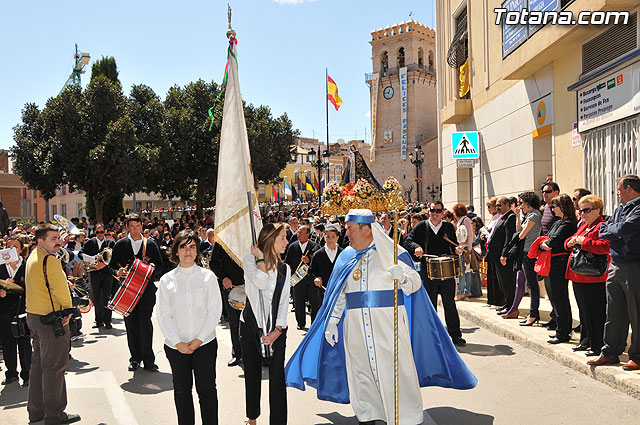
point(323, 367)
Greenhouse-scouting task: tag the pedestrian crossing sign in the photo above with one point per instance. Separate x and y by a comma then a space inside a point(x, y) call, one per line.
point(464, 145)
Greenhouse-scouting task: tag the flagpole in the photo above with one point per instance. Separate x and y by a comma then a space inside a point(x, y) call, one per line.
point(326, 101)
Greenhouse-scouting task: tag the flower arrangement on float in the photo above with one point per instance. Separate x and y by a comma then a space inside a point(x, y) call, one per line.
point(362, 194)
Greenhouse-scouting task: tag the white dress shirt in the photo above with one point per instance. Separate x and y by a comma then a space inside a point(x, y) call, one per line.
point(12, 272)
point(435, 228)
point(189, 305)
point(303, 246)
point(331, 253)
point(135, 245)
point(101, 241)
point(255, 281)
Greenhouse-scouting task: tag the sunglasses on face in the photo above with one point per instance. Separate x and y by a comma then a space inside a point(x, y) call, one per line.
point(586, 210)
point(498, 205)
point(555, 206)
point(436, 210)
point(99, 232)
point(547, 191)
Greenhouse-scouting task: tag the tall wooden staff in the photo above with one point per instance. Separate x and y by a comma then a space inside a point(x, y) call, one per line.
point(395, 320)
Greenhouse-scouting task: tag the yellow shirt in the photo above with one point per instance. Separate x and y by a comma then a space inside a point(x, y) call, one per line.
point(38, 301)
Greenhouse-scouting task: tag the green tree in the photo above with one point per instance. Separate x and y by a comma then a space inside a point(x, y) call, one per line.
point(105, 66)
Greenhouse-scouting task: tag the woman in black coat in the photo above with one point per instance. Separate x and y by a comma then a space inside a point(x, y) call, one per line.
point(561, 230)
point(12, 304)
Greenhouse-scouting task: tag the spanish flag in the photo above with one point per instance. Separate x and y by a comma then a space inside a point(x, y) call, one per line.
point(309, 186)
point(332, 93)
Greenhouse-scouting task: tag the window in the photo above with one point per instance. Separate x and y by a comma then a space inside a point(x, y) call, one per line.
point(54, 209)
point(63, 190)
point(420, 57)
point(384, 62)
point(63, 210)
point(401, 57)
point(610, 152)
point(431, 68)
point(458, 52)
point(79, 209)
point(610, 45)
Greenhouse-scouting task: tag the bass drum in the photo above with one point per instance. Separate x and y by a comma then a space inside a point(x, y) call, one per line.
point(441, 268)
point(237, 297)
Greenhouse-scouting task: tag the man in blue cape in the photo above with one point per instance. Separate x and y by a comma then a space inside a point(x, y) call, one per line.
point(347, 355)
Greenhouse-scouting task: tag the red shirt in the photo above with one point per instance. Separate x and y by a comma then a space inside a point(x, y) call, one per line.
point(592, 243)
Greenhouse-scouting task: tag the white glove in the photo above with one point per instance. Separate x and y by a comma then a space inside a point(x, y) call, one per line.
point(331, 332)
point(397, 273)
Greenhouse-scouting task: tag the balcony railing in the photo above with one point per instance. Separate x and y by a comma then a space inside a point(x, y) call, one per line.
point(414, 67)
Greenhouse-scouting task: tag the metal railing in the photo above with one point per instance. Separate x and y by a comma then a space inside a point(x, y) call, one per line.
point(430, 70)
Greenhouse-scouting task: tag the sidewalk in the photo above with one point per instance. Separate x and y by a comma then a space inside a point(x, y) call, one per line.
point(535, 338)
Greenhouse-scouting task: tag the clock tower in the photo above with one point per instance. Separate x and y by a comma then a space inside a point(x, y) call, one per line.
point(403, 108)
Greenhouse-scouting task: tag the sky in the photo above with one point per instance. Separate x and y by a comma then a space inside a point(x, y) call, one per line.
point(284, 47)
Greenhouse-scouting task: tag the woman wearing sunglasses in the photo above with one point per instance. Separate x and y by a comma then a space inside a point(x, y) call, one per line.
point(561, 230)
point(590, 290)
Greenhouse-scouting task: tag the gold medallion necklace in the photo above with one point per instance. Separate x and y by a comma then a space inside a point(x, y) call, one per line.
point(357, 273)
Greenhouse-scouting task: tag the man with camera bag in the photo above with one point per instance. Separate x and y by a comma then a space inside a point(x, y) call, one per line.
point(48, 312)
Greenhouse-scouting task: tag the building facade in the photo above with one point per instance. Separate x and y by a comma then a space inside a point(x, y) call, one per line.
point(403, 106)
point(530, 97)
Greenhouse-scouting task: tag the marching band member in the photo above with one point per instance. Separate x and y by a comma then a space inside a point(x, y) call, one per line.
point(229, 275)
point(300, 252)
point(264, 322)
point(11, 305)
point(188, 311)
point(100, 280)
point(138, 323)
point(321, 267)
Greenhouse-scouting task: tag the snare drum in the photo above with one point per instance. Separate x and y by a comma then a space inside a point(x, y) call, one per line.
point(237, 297)
point(129, 293)
point(441, 268)
point(300, 274)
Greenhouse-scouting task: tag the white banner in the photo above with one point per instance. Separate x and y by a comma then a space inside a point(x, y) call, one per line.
point(375, 81)
point(403, 112)
point(235, 179)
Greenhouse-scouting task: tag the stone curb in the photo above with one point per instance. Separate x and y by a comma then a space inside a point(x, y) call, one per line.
point(535, 338)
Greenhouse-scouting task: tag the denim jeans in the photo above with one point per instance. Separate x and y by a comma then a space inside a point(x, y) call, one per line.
point(532, 283)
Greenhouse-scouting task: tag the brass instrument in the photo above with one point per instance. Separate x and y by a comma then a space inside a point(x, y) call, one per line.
point(204, 259)
point(62, 255)
point(104, 256)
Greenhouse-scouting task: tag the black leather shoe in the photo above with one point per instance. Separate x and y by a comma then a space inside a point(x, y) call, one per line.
point(367, 423)
point(97, 325)
point(459, 341)
point(502, 312)
point(552, 335)
point(71, 418)
point(151, 367)
point(8, 381)
point(557, 340)
point(302, 328)
point(234, 361)
point(580, 348)
point(108, 326)
point(592, 353)
point(133, 366)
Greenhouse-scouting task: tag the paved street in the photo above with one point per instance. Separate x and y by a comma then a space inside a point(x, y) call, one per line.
point(516, 386)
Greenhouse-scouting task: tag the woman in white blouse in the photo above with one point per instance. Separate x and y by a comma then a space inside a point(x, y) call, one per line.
point(188, 310)
point(263, 327)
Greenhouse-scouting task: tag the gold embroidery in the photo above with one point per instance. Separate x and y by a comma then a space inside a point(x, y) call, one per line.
point(357, 273)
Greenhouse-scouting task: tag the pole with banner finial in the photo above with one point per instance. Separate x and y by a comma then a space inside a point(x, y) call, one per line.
point(231, 33)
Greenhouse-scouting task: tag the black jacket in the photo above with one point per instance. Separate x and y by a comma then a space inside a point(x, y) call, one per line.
point(561, 231)
point(321, 265)
point(294, 255)
point(123, 256)
point(13, 303)
point(499, 240)
point(431, 243)
point(224, 266)
point(91, 248)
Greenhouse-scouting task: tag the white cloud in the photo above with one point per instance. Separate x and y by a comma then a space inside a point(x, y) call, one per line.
point(368, 114)
point(293, 1)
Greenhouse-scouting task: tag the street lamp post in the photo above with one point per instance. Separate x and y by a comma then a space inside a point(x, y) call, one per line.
point(434, 190)
point(417, 158)
point(319, 164)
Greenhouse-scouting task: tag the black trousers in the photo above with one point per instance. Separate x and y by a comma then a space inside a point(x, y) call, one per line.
point(252, 357)
point(201, 364)
point(316, 296)
point(233, 316)
point(507, 281)
point(447, 290)
point(592, 303)
point(140, 329)
point(494, 293)
point(101, 284)
point(300, 294)
point(560, 296)
point(14, 348)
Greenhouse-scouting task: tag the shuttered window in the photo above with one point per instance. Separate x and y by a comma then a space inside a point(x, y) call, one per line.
point(610, 152)
point(611, 44)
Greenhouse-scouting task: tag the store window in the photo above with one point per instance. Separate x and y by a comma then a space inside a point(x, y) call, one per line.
point(610, 152)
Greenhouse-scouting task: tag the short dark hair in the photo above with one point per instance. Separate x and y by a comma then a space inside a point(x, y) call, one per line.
point(43, 229)
point(631, 180)
point(566, 205)
point(133, 217)
point(554, 186)
point(181, 239)
point(582, 192)
point(438, 203)
point(530, 198)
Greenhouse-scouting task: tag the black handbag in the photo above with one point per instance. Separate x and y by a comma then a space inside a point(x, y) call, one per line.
point(587, 263)
point(18, 324)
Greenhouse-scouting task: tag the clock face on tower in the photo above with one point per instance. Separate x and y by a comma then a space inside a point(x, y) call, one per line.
point(388, 92)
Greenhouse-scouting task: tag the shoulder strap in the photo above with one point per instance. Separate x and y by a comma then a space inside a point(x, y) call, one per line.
point(46, 280)
point(144, 247)
point(277, 294)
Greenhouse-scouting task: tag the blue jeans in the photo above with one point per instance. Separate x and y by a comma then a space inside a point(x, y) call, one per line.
point(464, 283)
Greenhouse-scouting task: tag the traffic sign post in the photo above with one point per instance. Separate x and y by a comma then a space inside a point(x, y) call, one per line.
point(465, 145)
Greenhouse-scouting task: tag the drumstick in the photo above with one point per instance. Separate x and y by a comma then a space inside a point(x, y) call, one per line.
point(446, 238)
